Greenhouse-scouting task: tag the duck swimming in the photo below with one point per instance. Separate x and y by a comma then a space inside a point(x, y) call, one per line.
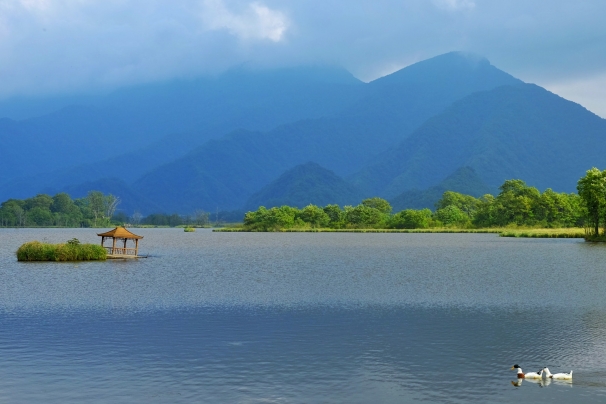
point(557, 376)
point(529, 375)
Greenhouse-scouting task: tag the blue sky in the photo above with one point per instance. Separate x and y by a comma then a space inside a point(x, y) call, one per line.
point(73, 46)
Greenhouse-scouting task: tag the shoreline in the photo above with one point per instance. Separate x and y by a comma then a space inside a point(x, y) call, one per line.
point(502, 232)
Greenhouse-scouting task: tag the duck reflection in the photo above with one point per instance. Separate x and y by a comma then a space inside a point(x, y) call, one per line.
point(540, 382)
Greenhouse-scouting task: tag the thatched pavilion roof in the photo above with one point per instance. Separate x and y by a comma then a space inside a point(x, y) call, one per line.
point(119, 232)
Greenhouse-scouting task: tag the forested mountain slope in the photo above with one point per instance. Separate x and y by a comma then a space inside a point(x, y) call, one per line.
point(158, 122)
point(225, 172)
point(464, 180)
point(521, 131)
point(303, 185)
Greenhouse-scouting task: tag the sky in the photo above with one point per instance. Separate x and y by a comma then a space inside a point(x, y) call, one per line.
point(52, 47)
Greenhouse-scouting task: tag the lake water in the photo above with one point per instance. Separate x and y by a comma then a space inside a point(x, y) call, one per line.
point(304, 318)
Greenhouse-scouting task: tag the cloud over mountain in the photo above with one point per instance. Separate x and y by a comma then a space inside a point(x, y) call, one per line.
point(64, 46)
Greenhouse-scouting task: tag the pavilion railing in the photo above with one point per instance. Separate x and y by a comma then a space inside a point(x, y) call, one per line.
point(121, 251)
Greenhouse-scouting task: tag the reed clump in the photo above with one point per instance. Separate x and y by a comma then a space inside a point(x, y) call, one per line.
point(189, 229)
point(70, 251)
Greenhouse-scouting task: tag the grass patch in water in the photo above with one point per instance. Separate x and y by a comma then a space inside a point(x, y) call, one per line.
point(573, 232)
point(70, 251)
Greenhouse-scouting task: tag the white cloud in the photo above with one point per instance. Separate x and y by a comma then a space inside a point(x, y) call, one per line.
point(35, 5)
point(588, 91)
point(257, 21)
point(455, 4)
point(63, 46)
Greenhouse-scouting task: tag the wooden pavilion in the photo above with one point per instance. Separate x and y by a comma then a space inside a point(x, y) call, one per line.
point(121, 235)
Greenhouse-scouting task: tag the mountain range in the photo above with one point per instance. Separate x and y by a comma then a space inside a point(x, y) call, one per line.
point(305, 135)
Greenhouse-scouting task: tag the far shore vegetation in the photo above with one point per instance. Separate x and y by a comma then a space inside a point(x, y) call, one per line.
point(72, 250)
point(518, 210)
point(94, 210)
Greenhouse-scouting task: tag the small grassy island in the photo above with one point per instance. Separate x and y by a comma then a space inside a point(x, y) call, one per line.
point(72, 250)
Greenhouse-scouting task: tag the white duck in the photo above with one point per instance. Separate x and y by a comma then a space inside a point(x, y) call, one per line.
point(557, 376)
point(529, 375)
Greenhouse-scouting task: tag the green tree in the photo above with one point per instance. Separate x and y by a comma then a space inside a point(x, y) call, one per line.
point(378, 203)
point(273, 219)
point(96, 204)
point(39, 216)
point(485, 212)
point(515, 204)
point(335, 214)
point(451, 215)
point(466, 203)
point(364, 216)
point(315, 216)
point(411, 219)
point(39, 201)
point(592, 190)
point(558, 209)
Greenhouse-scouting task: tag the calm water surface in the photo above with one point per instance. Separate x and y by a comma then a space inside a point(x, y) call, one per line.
point(299, 317)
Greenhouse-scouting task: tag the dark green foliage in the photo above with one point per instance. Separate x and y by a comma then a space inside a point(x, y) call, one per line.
point(517, 204)
point(411, 219)
point(378, 203)
point(70, 251)
point(271, 219)
point(592, 191)
point(452, 215)
point(336, 216)
point(522, 205)
point(363, 216)
point(465, 203)
point(162, 219)
point(94, 210)
point(315, 216)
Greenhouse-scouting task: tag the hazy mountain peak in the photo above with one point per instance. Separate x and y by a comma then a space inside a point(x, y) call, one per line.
point(318, 73)
point(453, 65)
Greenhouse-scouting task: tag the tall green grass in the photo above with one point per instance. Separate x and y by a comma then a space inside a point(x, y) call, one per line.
point(37, 251)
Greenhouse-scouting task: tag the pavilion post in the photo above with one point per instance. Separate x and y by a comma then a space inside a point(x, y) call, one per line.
point(114, 245)
point(136, 246)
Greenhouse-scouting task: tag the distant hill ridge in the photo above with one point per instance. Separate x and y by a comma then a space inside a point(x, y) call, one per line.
point(156, 123)
point(464, 181)
point(303, 185)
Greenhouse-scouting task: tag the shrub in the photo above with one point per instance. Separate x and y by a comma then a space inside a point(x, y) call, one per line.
point(411, 219)
point(70, 251)
point(451, 215)
point(314, 215)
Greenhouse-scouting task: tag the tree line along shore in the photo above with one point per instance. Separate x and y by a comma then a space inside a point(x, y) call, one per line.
point(517, 206)
point(514, 212)
point(94, 210)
